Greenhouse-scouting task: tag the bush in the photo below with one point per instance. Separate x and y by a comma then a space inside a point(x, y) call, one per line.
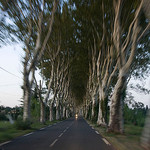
point(23, 125)
point(3, 117)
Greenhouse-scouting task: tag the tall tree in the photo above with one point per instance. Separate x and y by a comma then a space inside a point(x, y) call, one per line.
point(125, 42)
point(29, 19)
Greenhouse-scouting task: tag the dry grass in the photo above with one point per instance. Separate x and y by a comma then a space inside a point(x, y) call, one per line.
point(9, 131)
point(128, 141)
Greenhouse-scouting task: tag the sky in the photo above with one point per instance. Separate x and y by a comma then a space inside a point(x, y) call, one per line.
point(11, 78)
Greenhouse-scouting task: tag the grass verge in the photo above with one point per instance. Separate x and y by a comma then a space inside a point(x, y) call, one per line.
point(130, 140)
point(9, 131)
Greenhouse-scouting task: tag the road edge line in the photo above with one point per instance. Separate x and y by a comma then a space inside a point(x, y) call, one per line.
point(106, 141)
point(28, 134)
point(112, 146)
point(5, 143)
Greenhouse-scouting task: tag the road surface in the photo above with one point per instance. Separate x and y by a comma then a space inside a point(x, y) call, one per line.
point(71, 134)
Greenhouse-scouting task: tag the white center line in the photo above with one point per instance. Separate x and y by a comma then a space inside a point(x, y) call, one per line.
point(53, 143)
point(105, 141)
point(5, 143)
point(28, 134)
point(64, 130)
point(60, 134)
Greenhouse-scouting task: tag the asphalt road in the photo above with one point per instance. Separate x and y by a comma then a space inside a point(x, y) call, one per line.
point(71, 134)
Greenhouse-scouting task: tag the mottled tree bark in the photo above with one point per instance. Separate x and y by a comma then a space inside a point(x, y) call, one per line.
point(51, 115)
point(42, 112)
point(67, 113)
point(93, 103)
point(102, 112)
point(26, 108)
point(116, 123)
point(27, 93)
point(57, 110)
point(64, 112)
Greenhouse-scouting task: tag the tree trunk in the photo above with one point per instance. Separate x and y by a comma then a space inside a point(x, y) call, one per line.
point(100, 120)
point(42, 112)
point(27, 96)
point(51, 118)
point(30, 62)
point(57, 111)
point(57, 114)
point(93, 104)
point(26, 108)
point(67, 114)
point(102, 112)
point(93, 107)
point(116, 108)
point(64, 112)
point(60, 112)
point(86, 111)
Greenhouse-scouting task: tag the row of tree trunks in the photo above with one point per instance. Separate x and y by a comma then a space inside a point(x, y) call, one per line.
point(29, 66)
point(113, 61)
point(60, 114)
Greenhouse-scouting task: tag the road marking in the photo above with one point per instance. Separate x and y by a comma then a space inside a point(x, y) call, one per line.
point(53, 143)
point(42, 128)
point(28, 134)
point(96, 132)
point(105, 141)
point(5, 143)
point(60, 134)
point(92, 128)
point(64, 130)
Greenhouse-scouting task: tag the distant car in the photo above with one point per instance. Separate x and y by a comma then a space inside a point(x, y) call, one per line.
point(76, 116)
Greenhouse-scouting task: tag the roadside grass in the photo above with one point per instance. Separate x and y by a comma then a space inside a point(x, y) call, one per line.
point(130, 140)
point(9, 131)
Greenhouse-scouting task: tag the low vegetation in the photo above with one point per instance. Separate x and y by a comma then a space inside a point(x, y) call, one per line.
point(9, 131)
point(130, 140)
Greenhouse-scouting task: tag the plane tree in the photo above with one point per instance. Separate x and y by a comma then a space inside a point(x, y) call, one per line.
point(126, 41)
point(61, 40)
point(31, 23)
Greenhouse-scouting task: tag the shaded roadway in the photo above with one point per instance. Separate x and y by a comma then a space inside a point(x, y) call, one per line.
point(71, 134)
